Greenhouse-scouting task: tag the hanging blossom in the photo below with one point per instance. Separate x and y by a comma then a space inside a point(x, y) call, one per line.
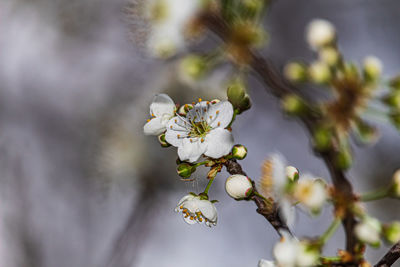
point(162, 109)
point(169, 20)
point(197, 210)
point(290, 252)
point(202, 131)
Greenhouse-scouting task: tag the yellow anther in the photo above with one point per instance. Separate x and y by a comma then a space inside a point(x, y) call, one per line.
point(204, 109)
point(181, 207)
point(210, 117)
point(148, 120)
point(186, 105)
point(219, 123)
point(200, 99)
point(187, 215)
point(208, 102)
point(217, 112)
point(191, 140)
point(184, 210)
point(202, 140)
point(178, 135)
point(193, 103)
point(176, 120)
point(192, 218)
point(200, 219)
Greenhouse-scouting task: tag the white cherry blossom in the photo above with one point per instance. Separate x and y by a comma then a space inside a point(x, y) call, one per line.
point(202, 131)
point(197, 210)
point(162, 109)
point(312, 193)
point(169, 19)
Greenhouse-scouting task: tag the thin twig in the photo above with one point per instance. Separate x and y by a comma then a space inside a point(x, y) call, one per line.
point(390, 257)
point(269, 210)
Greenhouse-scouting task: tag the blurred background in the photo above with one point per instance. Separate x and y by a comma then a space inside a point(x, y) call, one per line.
point(81, 186)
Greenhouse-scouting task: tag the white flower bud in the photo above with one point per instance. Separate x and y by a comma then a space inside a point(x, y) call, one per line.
point(292, 173)
point(319, 72)
point(392, 232)
point(329, 55)
point(368, 231)
point(320, 33)
point(295, 72)
point(396, 183)
point(372, 67)
point(239, 152)
point(238, 186)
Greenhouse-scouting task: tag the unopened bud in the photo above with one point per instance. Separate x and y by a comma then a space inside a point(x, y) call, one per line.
point(372, 68)
point(368, 231)
point(163, 142)
point(396, 184)
point(393, 100)
point(392, 232)
point(292, 173)
point(322, 138)
point(320, 33)
point(295, 72)
point(319, 72)
point(238, 186)
point(293, 105)
point(366, 133)
point(344, 158)
point(184, 109)
point(329, 55)
point(239, 152)
point(238, 97)
point(185, 170)
point(193, 67)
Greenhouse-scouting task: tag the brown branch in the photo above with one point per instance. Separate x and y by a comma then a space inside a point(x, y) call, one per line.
point(269, 209)
point(277, 85)
point(390, 257)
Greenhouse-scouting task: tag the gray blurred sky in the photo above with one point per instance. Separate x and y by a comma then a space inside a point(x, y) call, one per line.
point(74, 94)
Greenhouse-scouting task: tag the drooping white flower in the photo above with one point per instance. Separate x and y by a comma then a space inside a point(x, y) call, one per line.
point(273, 183)
point(197, 210)
point(265, 263)
point(202, 131)
point(320, 33)
point(311, 192)
point(162, 109)
point(368, 231)
point(169, 19)
point(290, 252)
point(238, 186)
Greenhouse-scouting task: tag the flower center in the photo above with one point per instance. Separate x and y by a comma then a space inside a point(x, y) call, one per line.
point(199, 129)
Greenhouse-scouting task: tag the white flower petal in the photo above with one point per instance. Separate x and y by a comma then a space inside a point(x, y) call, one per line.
point(265, 263)
point(185, 198)
point(154, 127)
point(208, 210)
point(191, 151)
point(162, 105)
point(279, 173)
point(176, 131)
point(198, 112)
point(287, 211)
point(219, 143)
point(221, 114)
point(285, 252)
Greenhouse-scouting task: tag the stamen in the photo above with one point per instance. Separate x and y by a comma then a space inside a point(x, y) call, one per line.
point(193, 103)
point(176, 120)
point(202, 140)
point(210, 117)
point(200, 219)
point(219, 123)
point(181, 207)
point(191, 217)
point(148, 120)
point(178, 135)
point(200, 99)
point(170, 127)
point(152, 114)
point(217, 112)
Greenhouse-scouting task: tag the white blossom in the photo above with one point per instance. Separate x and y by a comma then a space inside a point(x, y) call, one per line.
point(273, 183)
point(197, 210)
point(311, 193)
point(291, 252)
point(320, 33)
point(162, 109)
point(202, 131)
point(368, 231)
point(169, 19)
point(238, 186)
